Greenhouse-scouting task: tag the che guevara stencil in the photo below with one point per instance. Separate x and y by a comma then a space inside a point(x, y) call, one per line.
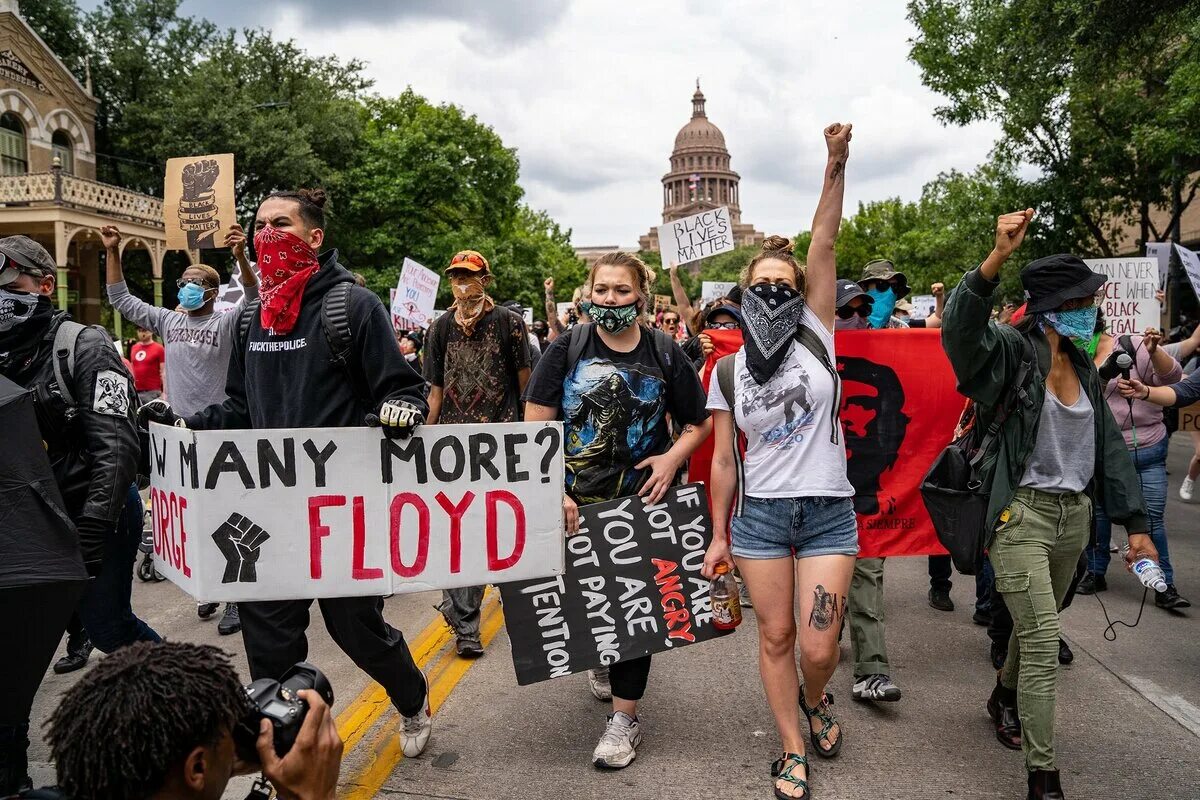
point(198, 202)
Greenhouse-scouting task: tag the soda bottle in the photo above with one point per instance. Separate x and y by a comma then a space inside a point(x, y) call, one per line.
point(726, 605)
point(1148, 572)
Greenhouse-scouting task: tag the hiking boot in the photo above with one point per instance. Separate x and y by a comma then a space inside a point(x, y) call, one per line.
point(1044, 785)
point(206, 610)
point(79, 649)
point(415, 730)
point(618, 746)
point(231, 620)
point(875, 688)
point(598, 683)
point(1171, 598)
point(940, 599)
point(1002, 708)
point(1065, 656)
point(1091, 583)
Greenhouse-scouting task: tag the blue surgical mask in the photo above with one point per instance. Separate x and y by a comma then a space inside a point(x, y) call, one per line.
point(881, 308)
point(1078, 323)
point(191, 296)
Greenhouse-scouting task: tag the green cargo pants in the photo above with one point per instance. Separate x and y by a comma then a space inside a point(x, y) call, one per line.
point(866, 618)
point(1034, 553)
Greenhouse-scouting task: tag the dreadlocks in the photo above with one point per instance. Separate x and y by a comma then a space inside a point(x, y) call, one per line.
point(121, 728)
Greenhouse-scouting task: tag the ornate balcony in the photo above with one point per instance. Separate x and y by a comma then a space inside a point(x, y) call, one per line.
point(57, 189)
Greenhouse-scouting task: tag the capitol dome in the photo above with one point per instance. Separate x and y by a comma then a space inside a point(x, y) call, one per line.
point(699, 133)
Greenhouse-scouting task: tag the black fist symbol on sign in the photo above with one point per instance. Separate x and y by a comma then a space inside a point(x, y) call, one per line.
point(198, 204)
point(239, 541)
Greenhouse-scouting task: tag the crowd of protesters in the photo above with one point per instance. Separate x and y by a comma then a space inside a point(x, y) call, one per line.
point(752, 376)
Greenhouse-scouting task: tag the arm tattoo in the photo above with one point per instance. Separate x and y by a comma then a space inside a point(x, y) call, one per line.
point(838, 171)
point(688, 429)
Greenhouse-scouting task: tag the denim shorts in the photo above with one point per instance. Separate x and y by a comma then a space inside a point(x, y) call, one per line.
point(801, 527)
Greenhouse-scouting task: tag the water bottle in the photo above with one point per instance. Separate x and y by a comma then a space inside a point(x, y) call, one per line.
point(726, 604)
point(1148, 572)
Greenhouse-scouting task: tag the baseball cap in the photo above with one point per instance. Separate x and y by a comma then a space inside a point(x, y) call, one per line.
point(21, 254)
point(1051, 281)
point(847, 290)
point(471, 260)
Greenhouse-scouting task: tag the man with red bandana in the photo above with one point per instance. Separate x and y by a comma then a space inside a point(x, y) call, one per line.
point(283, 374)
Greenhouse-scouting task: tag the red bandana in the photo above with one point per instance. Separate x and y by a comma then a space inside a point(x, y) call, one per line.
point(285, 263)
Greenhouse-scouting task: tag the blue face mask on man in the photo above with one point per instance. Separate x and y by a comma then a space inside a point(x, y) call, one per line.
point(191, 296)
point(882, 307)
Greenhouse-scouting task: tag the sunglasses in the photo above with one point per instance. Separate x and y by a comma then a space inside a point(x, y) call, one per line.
point(846, 312)
point(469, 258)
point(182, 282)
point(722, 326)
point(670, 322)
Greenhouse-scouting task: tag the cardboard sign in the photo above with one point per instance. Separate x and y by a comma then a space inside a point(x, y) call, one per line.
point(1129, 302)
point(923, 305)
point(1191, 265)
point(412, 304)
point(341, 512)
point(662, 302)
point(711, 290)
point(198, 205)
point(1189, 417)
point(1160, 252)
point(696, 237)
point(632, 587)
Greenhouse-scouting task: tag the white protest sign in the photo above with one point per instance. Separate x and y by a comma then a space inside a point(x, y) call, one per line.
point(1129, 302)
point(1191, 265)
point(711, 290)
point(696, 237)
point(923, 305)
point(342, 512)
point(527, 315)
point(1160, 252)
point(230, 294)
point(415, 295)
point(563, 309)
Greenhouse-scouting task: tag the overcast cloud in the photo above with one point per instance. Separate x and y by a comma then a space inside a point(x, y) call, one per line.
point(592, 93)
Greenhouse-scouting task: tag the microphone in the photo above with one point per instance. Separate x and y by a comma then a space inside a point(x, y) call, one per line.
point(1124, 363)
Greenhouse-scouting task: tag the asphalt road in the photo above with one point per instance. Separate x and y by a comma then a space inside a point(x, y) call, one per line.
point(1128, 713)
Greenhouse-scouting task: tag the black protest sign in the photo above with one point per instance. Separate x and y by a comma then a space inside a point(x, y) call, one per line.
point(632, 587)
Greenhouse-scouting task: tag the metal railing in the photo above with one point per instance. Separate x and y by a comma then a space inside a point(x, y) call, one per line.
point(60, 189)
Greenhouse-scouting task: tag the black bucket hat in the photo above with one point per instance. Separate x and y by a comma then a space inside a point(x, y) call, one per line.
point(1051, 281)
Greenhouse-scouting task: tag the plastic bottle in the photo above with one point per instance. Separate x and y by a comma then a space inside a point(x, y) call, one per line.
point(1148, 572)
point(726, 605)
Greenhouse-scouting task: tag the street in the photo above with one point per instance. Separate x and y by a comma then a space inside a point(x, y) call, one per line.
point(1128, 710)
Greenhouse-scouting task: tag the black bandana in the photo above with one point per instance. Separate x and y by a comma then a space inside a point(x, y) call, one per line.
point(22, 336)
point(772, 313)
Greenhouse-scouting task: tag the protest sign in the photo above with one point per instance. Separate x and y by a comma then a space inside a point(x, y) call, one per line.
point(564, 309)
point(416, 292)
point(923, 305)
point(1160, 252)
point(340, 512)
point(711, 290)
point(696, 237)
point(662, 302)
point(1130, 305)
point(1191, 265)
point(527, 315)
point(198, 205)
point(1189, 417)
point(632, 587)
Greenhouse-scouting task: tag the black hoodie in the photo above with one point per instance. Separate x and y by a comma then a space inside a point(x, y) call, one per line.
point(292, 381)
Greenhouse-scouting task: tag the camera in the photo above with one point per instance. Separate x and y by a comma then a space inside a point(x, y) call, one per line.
point(280, 702)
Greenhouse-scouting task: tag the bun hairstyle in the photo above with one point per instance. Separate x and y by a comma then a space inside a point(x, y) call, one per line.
point(778, 248)
point(641, 276)
point(311, 203)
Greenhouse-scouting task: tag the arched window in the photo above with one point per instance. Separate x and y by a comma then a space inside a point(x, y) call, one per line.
point(14, 155)
point(60, 145)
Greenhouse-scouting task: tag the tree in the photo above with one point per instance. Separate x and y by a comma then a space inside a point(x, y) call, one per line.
point(1103, 97)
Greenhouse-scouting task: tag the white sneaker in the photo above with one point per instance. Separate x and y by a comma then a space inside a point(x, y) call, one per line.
point(617, 747)
point(1185, 489)
point(876, 687)
point(415, 730)
point(598, 682)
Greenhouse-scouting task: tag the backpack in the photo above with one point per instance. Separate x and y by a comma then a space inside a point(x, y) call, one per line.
point(580, 335)
point(725, 381)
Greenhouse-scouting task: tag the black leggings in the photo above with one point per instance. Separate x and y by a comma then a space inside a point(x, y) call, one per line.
point(32, 619)
point(629, 678)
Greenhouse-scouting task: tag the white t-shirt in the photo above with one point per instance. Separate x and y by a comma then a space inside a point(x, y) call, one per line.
point(787, 424)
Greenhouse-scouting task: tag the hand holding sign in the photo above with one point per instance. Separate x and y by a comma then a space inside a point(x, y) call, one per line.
point(235, 240)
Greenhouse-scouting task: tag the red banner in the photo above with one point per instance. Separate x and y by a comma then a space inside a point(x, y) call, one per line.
point(724, 343)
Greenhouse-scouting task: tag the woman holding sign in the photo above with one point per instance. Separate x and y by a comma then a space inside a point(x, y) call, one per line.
point(613, 383)
point(793, 526)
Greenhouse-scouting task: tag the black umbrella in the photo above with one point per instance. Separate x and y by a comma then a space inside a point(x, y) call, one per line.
point(38, 542)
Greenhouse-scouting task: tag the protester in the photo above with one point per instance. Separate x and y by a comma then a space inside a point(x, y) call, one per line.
point(1182, 351)
point(793, 527)
point(885, 286)
point(180, 703)
point(147, 361)
point(1053, 448)
point(410, 343)
point(535, 345)
point(197, 342)
point(1146, 436)
point(622, 383)
point(670, 324)
point(477, 362)
point(690, 314)
point(286, 371)
point(85, 405)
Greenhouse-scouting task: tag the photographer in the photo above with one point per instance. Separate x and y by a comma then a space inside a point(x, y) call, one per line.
point(180, 703)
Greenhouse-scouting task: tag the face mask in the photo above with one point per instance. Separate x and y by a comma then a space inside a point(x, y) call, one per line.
point(771, 313)
point(855, 323)
point(466, 290)
point(18, 307)
point(1078, 323)
point(613, 319)
point(191, 296)
point(881, 308)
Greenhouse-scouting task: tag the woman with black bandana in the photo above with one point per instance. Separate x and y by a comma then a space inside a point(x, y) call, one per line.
point(793, 527)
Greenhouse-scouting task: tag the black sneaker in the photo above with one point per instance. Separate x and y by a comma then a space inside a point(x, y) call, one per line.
point(1065, 656)
point(206, 610)
point(982, 616)
point(998, 654)
point(1171, 598)
point(1092, 584)
point(79, 649)
point(940, 599)
point(231, 620)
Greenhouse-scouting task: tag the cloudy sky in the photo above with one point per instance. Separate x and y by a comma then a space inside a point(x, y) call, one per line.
point(592, 92)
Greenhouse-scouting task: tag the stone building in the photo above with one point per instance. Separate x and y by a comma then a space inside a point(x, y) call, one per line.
point(48, 189)
point(700, 178)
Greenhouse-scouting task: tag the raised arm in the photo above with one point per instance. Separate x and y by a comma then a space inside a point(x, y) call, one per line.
point(235, 240)
point(137, 311)
point(687, 312)
point(552, 320)
point(821, 277)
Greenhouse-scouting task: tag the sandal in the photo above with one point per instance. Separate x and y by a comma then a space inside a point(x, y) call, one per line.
point(781, 769)
point(825, 714)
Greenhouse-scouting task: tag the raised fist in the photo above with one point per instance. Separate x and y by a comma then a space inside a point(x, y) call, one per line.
point(1010, 231)
point(938, 289)
point(239, 541)
point(198, 203)
point(837, 140)
point(110, 236)
point(199, 177)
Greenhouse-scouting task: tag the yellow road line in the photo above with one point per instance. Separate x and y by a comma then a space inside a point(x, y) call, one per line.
point(444, 674)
